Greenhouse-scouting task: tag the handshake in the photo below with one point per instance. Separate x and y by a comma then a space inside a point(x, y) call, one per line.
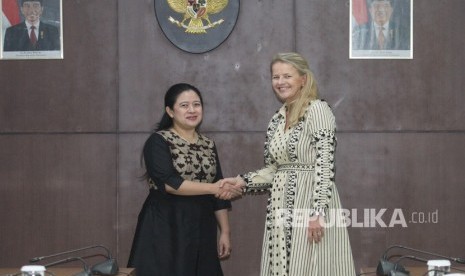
point(230, 188)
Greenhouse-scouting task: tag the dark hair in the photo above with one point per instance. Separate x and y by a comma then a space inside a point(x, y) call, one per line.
point(22, 1)
point(166, 121)
point(170, 99)
point(372, 1)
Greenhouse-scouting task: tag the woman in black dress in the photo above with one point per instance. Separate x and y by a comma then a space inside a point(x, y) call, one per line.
point(176, 233)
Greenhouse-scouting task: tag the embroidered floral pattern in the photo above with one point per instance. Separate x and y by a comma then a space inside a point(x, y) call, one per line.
point(196, 161)
point(325, 143)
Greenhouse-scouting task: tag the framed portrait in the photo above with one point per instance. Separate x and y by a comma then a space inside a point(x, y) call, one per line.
point(381, 29)
point(31, 29)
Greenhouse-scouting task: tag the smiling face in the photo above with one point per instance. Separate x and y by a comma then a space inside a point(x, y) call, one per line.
point(286, 81)
point(32, 10)
point(187, 111)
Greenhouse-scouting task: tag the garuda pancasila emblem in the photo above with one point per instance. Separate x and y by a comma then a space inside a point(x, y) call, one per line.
point(195, 14)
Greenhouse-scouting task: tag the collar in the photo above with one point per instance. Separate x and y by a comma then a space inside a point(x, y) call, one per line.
point(28, 25)
point(385, 26)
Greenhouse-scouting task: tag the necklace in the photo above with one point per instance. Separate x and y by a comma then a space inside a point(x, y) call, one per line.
point(192, 140)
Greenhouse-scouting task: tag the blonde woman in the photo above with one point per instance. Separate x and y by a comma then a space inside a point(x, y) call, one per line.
point(302, 237)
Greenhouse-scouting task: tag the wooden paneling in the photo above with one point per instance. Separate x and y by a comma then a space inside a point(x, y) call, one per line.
point(233, 78)
point(57, 193)
point(416, 173)
point(75, 94)
point(388, 95)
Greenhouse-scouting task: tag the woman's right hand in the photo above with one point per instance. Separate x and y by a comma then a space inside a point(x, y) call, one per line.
point(229, 188)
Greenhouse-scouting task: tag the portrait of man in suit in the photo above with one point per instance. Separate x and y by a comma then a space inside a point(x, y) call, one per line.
point(387, 27)
point(32, 34)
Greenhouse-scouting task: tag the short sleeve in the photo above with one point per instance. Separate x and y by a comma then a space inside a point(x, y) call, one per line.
point(158, 163)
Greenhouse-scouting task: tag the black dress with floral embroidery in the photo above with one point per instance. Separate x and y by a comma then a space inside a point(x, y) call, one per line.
point(177, 235)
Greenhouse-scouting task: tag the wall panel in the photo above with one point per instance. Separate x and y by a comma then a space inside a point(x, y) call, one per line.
point(233, 77)
point(58, 148)
point(75, 94)
point(387, 95)
point(416, 173)
point(57, 192)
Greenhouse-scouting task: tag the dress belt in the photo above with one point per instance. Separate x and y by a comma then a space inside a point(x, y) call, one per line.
point(296, 166)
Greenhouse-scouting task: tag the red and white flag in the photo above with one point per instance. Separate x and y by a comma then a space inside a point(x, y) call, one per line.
point(359, 11)
point(10, 13)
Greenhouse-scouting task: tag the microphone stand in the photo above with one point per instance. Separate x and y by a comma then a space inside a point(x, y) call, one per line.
point(37, 259)
point(453, 259)
point(395, 272)
point(107, 267)
point(85, 272)
point(385, 267)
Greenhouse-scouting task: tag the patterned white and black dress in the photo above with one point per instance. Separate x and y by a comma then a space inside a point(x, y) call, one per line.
point(299, 176)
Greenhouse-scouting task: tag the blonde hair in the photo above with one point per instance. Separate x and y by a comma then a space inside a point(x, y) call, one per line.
point(308, 92)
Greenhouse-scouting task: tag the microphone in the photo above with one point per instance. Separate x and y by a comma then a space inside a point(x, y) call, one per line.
point(385, 267)
point(107, 267)
point(397, 272)
point(85, 272)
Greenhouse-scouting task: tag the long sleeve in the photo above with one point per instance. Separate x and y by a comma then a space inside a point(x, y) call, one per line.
point(324, 126)
point(261, 180)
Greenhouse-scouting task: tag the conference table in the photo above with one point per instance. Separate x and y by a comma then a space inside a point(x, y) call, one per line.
point(66, 271)
point(414, 270)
